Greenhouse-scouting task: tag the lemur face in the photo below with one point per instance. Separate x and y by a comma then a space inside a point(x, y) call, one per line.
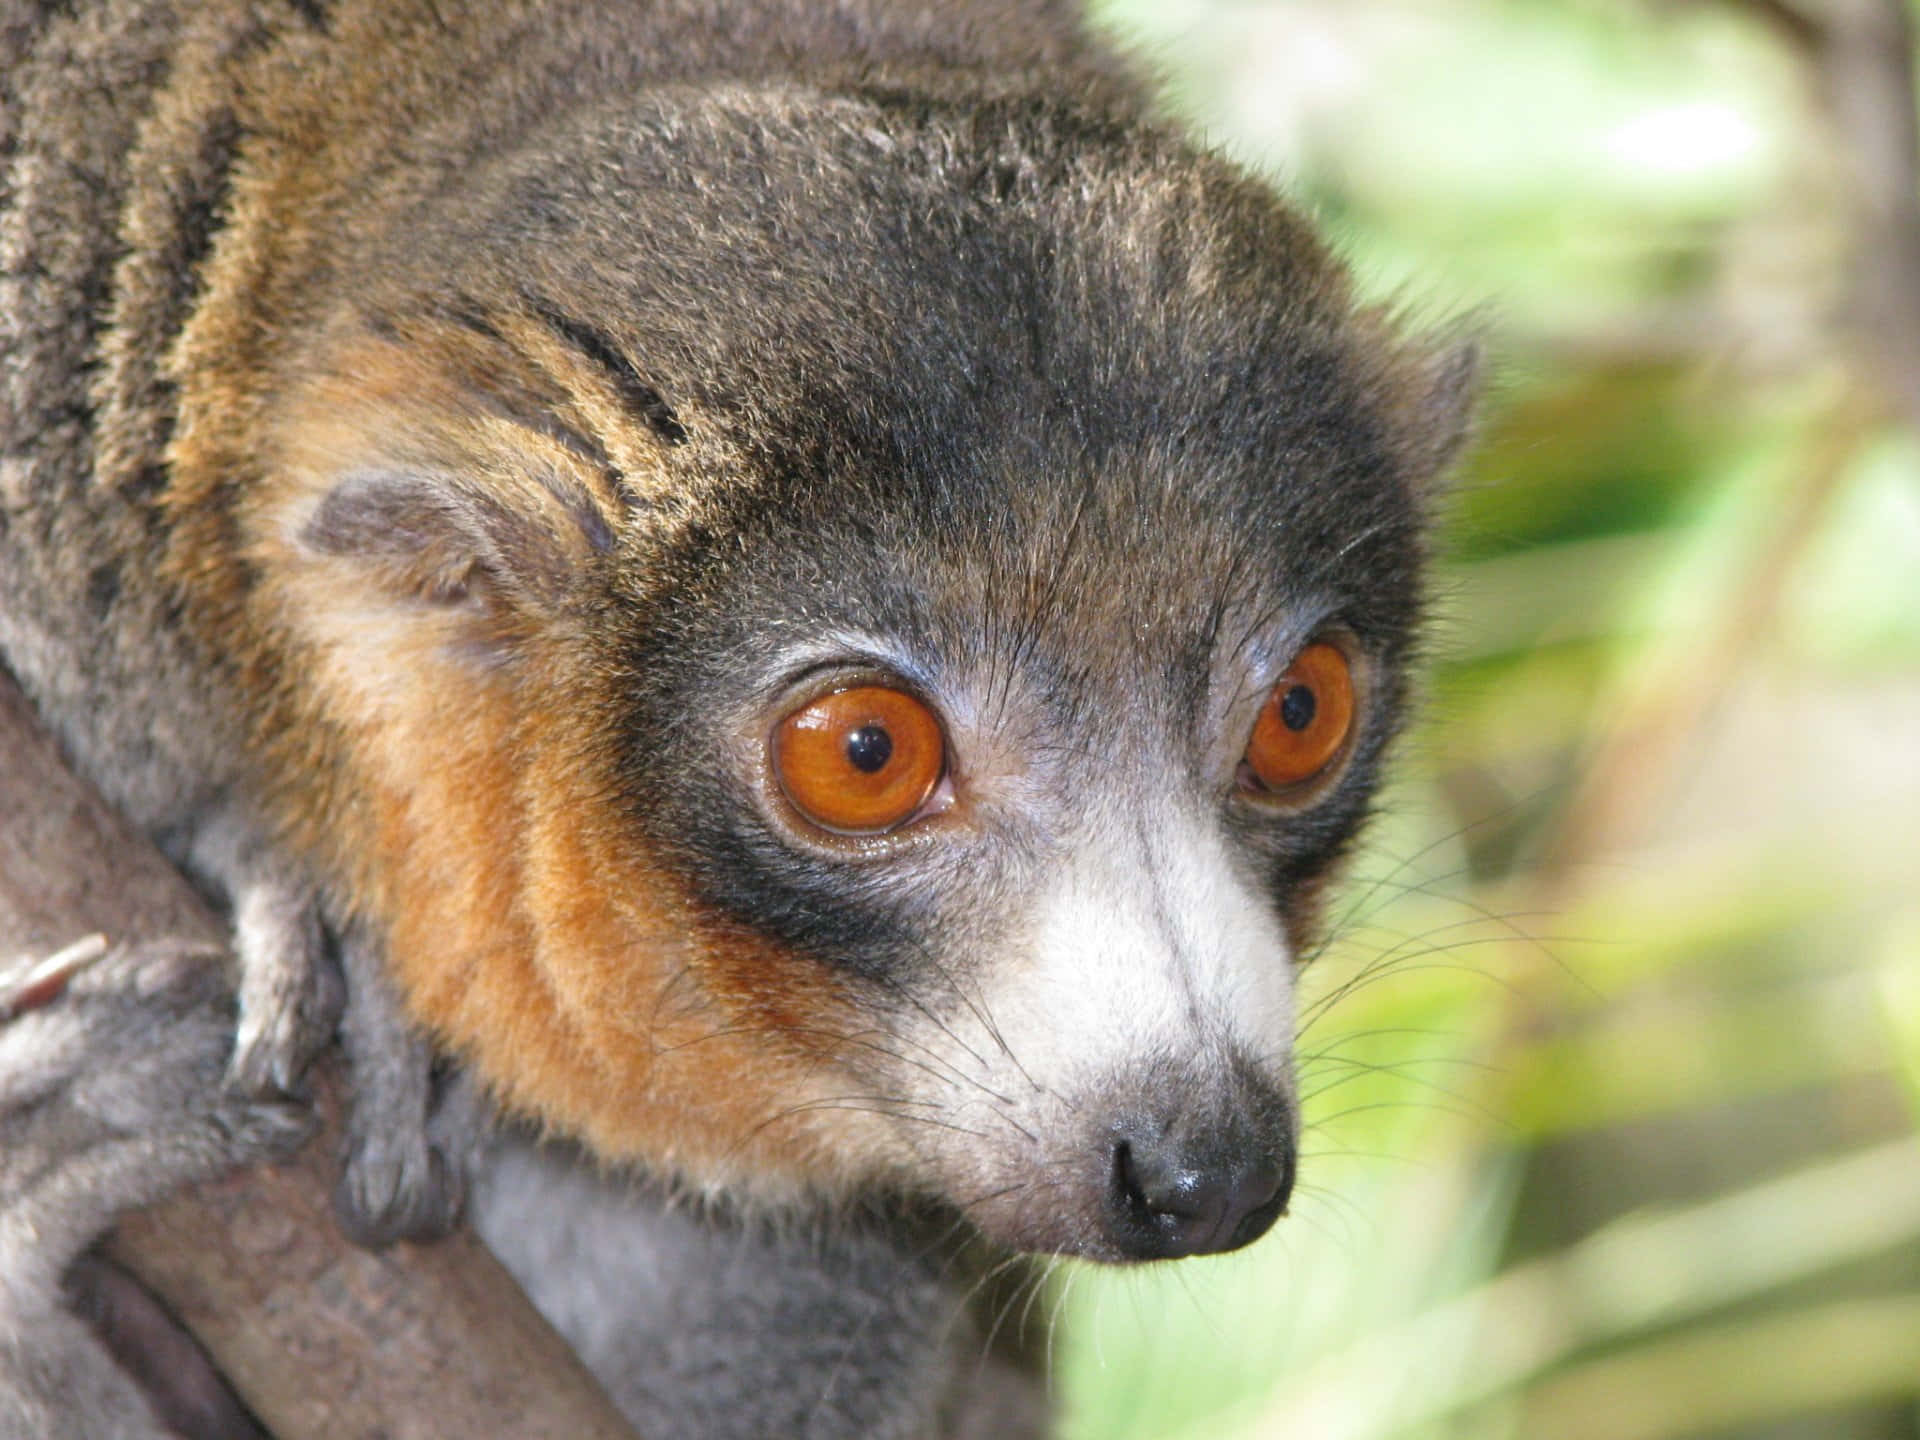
point(911, 656)
point(1079, 970)
point(1049, 798)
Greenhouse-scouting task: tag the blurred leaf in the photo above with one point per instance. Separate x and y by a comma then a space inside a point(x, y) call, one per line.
point(1729, 1377)
point(1641, 1272)
point(1899, 977)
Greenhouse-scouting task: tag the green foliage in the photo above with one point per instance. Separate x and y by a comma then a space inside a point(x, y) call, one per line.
point(1612, 1075)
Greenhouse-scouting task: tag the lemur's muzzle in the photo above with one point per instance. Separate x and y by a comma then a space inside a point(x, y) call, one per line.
point(1202, 1182)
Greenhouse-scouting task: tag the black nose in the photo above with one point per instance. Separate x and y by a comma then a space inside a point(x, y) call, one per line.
point(1176, 1195)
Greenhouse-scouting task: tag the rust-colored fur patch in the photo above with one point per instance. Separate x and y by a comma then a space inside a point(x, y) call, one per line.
point(461, 798)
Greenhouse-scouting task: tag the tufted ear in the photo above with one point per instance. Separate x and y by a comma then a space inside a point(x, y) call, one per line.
point(514, 541)
point(1443, 410)
point(1431, 384)
point(431, 484)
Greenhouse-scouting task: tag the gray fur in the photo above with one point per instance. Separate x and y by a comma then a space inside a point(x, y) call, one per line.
point(92, 212)
point(404, 1175)
point(111, 1097)
point(95, 648)
point(706, 1325)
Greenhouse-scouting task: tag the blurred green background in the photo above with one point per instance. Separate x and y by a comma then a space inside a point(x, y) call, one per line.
point(1612, 1070)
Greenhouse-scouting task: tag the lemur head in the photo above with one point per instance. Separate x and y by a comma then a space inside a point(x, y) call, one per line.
point(852, 631)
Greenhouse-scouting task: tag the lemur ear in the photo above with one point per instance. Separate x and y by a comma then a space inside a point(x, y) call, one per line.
point(1431, 385)
point(1445, 407)
point(433, 478)
point(517, 541)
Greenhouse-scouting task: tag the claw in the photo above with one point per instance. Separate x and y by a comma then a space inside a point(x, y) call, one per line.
point(47, 980)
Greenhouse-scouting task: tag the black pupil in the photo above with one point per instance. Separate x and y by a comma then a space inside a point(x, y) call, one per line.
point(1297, 709)
point(869, 748)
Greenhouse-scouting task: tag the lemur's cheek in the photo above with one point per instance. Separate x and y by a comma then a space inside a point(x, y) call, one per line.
point(685, 1036)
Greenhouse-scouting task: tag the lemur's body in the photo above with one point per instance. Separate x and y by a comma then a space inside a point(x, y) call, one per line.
point(447, 448)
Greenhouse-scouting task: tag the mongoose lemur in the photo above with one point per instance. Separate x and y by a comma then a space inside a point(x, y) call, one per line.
point(799, 595)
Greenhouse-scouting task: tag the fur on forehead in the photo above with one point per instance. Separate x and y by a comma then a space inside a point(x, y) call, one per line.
point(1058, 347)
point(1016, 265)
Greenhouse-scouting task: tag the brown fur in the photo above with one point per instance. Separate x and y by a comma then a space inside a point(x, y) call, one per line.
point(532, 941)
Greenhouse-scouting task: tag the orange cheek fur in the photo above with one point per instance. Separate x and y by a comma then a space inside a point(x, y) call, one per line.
point(525, 927)
point(529, 936)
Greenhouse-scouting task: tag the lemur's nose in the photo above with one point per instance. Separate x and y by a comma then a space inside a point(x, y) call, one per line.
point(1175, 1194)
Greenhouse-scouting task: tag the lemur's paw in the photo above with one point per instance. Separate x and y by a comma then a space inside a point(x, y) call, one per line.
point(397, 1185)
point(410, 1140)
point(290, 989)
point(250, 1129)
point(404, 1179)
point(113, 1095)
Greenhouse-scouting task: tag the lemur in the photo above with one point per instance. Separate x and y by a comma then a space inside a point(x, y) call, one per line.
point(800, 596)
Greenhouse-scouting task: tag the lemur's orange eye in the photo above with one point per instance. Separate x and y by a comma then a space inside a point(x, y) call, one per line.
point(859, 761)
point(1305, 720)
